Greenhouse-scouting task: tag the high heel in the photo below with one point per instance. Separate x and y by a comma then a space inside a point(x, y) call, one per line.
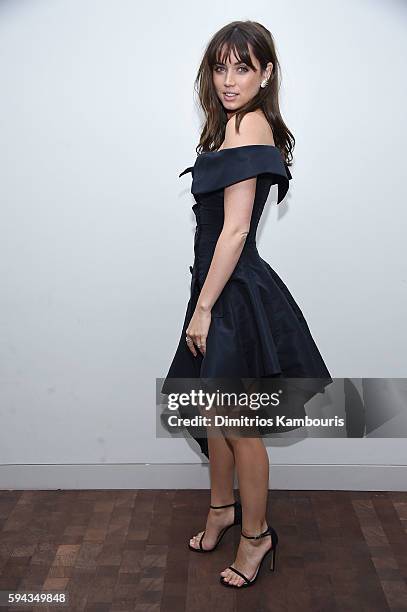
point(236, 521)
point(274, 541)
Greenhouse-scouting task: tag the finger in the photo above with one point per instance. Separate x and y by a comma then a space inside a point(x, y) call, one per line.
point(195, 345)
point(202, 342)
point(190, 345)
point(198, 343)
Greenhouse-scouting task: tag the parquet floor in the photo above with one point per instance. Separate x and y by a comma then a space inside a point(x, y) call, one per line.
point(112, 550)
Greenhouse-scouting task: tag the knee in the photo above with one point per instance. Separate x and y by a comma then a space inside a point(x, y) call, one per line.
point(245, 444)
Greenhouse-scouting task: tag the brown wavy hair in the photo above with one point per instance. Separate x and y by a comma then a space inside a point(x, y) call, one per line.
point(236, 36)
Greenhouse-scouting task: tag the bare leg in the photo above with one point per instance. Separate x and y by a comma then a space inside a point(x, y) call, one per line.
point(252, 466)
point(222, 464)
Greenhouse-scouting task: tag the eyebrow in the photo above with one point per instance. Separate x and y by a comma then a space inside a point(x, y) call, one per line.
point(235, 64)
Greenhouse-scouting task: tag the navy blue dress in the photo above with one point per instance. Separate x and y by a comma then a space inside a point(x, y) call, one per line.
point(257, 329)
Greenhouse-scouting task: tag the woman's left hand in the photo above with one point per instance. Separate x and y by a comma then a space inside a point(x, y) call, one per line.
point(197, 330)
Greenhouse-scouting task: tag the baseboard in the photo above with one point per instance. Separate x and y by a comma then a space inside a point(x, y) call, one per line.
point(196, 476)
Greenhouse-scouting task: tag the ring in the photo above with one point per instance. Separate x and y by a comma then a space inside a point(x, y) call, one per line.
point(188, 339)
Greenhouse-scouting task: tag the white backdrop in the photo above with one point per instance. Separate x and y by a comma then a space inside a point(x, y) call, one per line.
point(98, 118)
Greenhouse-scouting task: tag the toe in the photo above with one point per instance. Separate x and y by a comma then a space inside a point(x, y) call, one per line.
point(192, 541)
point(234, 579)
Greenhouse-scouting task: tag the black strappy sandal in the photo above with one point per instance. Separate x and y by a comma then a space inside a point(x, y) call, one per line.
point(274, 541)
point(237, 521)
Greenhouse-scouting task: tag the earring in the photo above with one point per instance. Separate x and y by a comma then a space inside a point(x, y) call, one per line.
point(264, 83)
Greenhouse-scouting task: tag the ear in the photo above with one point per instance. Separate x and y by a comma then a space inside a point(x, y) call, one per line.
point(269, 70)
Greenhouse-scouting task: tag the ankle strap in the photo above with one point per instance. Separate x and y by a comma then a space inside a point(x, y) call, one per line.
point(227, 505)
point(266, 532)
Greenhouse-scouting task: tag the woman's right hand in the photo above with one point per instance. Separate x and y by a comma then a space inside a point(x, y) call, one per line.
point(197, 330)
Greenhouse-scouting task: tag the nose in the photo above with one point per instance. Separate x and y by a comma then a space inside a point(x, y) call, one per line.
point(228, 78)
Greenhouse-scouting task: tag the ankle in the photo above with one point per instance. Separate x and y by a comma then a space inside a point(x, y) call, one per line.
point(221, 511)
point(254, 529)
point(222, 503)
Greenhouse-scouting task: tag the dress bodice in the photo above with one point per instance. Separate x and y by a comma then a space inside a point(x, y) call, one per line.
point(215, 170)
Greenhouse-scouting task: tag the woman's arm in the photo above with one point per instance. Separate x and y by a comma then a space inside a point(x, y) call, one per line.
point(238, 206)
point(239, 199)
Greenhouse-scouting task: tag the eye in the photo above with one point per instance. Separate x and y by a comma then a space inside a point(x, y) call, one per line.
point(240, 68)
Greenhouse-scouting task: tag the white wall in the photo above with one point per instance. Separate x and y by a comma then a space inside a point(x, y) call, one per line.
point(97, 120)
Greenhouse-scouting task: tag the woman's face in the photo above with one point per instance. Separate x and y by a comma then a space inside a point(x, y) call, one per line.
point(237, 78)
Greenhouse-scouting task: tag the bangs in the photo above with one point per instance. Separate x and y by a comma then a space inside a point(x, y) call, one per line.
point(237, 44)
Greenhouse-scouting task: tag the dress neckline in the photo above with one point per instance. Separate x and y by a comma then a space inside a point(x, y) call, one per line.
point(218, 155)
point(239, 147)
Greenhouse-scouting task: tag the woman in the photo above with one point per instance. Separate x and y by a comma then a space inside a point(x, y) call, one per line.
point(241, 319)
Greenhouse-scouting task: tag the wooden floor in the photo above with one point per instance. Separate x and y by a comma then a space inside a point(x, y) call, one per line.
point(127, 550)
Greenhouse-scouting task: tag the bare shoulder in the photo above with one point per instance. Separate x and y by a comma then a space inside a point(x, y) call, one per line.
point(254, 129)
